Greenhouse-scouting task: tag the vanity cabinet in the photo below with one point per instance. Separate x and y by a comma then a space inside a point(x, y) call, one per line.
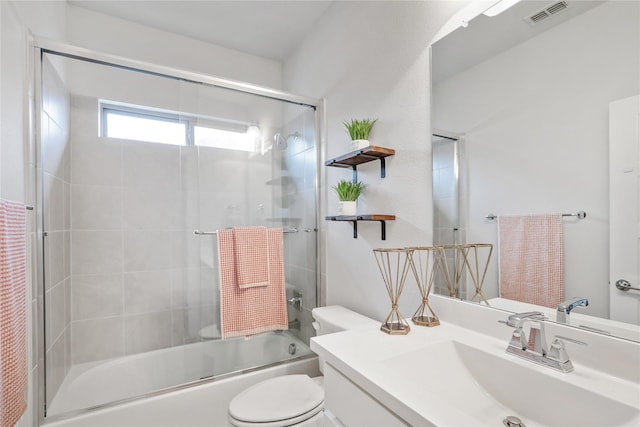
point(352, 160)
point(353, 406)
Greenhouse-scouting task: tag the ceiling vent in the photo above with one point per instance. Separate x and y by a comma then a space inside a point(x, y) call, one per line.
point(547, 12)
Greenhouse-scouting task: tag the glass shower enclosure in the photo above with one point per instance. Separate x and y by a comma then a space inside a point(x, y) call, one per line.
point(448, 208)
point(136, 168)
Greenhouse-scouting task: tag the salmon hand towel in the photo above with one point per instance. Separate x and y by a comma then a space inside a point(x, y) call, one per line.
point(531, 261)
point(257, 309)
point(13, 313)
point(251, 247)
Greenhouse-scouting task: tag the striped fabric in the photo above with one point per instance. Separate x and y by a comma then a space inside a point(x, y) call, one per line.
point(251, 256)
point(531, 260)
point(13, 313)
point(256, 309)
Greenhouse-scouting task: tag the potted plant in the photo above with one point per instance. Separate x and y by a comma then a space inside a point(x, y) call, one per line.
point(348, 193)
point(359, 132)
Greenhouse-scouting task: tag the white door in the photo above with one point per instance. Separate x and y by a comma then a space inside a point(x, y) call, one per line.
point(624, 202)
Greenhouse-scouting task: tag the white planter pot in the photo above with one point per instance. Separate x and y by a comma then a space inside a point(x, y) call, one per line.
point(358, 144)
point(347, 208)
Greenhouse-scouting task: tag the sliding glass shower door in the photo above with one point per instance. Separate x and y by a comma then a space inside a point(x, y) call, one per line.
point(136, 171)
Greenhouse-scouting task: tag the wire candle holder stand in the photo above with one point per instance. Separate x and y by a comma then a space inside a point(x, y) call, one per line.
point(394, 265)
point(425, 263)
point(476, 258)
point(452, 270)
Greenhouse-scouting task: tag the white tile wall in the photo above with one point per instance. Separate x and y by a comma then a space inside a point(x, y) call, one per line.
point(147, 250)
point(95, 339)
point(149, 331)
point(96, 252)
point(141, 279)
point(54, 144)
point(96, 207)
point(96, 296)
point(146, 292)
point(298, 199)
point(446, 208)
point(151, 167)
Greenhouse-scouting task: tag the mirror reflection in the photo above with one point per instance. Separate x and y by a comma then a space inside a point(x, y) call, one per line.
point(534, 112)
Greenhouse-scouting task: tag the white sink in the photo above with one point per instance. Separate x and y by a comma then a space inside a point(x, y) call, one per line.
point(490, 387)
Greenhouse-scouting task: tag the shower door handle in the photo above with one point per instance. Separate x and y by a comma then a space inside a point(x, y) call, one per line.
point(625, 285)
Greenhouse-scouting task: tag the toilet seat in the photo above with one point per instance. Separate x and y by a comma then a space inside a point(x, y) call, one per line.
point(279, 401)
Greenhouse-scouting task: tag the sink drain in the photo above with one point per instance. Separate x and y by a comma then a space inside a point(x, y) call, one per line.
point(292, 349)
point(512, 421)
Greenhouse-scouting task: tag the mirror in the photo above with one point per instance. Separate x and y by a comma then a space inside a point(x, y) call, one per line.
point(520, 103)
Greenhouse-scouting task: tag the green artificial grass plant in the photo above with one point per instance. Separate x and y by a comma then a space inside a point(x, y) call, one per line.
point(359, 129)
point(349, 191)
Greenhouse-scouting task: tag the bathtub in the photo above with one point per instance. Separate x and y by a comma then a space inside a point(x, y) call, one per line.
point(94, 384)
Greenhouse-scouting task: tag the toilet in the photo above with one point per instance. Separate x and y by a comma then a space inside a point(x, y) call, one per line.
point(293, 400)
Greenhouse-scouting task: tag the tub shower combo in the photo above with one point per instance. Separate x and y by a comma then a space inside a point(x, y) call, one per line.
point(137, 166)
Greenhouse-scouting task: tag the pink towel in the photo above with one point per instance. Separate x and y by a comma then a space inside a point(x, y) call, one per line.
point(257, 309)
point(13, 313)
point(531, 262)
point(251, 256)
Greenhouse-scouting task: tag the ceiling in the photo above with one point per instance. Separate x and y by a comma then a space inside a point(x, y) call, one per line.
point(271, 29)
point(487, 36)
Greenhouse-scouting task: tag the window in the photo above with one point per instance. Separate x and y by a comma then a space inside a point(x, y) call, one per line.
point(128, 124)
point(221, 138)
point(165, 127)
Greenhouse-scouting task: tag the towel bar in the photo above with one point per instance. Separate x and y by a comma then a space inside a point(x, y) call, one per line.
point(209, 233)
point(579, 214)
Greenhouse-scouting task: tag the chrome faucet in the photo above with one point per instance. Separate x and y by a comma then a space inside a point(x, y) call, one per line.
point(519, 338)
point(565, 308)
point(535, 348)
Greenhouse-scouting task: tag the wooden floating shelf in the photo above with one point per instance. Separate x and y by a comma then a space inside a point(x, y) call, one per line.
point(355, 218)
point(364, 155)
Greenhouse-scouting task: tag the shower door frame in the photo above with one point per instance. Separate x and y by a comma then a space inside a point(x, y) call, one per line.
point(40, 46)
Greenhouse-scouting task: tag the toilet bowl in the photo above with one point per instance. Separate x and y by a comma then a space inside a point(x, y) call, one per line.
point(281, 401)
point(293, 400)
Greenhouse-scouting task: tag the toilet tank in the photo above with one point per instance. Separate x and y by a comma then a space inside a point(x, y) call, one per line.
point(335, 318)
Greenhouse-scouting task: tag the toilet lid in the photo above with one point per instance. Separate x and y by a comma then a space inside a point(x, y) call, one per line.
point(276, 399)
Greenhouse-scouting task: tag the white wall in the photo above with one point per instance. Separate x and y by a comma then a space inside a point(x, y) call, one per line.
point(119, 37)
point(58, 21)
point(12, 149)
point(536, 135)
point(18, 157)
point(371, 59)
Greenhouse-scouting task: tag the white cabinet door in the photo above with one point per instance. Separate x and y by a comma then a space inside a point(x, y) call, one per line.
point(624, 201)
point(352, 406)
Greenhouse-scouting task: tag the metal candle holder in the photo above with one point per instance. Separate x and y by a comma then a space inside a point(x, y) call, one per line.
point(452, 278)
point(394, 264)
point(425, 263)
point(476, 258)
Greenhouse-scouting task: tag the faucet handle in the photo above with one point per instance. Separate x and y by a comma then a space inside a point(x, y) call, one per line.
point(573, 340)
point(517, 319)
point(518, 337)
point(558, 352)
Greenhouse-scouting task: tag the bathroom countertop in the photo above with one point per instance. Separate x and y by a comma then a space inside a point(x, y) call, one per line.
point(364, 355)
